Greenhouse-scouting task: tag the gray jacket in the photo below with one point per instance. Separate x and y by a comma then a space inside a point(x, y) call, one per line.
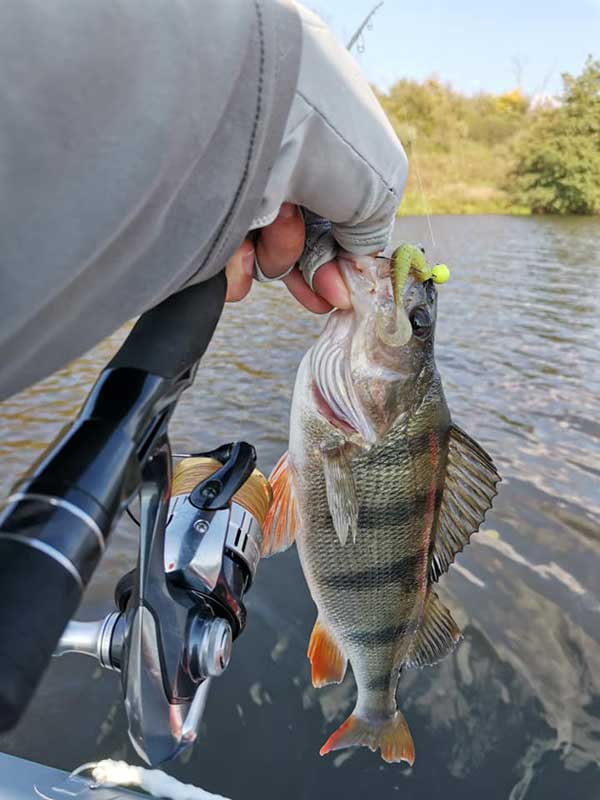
point(141, 139)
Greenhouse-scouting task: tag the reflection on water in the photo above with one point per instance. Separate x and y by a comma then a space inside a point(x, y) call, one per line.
point(515, 711)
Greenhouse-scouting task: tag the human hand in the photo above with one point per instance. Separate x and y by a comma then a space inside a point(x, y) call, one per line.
point(341, 159)
point(277, 247)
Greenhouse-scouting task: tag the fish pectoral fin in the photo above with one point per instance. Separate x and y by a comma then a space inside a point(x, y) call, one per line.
point(469, 488)
point(282, 520)
point(328, 663)
point(390, 734)
point(341, 493)
point(437, 636)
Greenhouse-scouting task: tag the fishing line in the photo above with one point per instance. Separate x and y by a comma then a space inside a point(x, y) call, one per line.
point(357, 39)
point(424, 200)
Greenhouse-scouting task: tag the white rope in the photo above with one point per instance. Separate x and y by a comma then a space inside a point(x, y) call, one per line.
point(153, 781)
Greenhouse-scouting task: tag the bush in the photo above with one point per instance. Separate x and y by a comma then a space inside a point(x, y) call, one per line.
point(557, 166)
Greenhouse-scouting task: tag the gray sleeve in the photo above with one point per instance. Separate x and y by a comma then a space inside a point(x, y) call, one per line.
point(339, 156)
point(136, 138)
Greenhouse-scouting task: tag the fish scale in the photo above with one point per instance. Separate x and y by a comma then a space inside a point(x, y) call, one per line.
point(395, 599)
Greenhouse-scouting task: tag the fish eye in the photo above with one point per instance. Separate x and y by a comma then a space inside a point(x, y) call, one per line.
point(420, 319)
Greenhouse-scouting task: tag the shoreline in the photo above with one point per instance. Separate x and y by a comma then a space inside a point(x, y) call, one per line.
point(484, 212)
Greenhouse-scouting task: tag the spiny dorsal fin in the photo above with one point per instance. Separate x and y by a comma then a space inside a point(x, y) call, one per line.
point(341, 493)
point(469, 489)
point(437, 636)
point(282, 520)
point(328, 663)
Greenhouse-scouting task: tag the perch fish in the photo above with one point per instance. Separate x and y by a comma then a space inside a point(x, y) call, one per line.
point(380, 490)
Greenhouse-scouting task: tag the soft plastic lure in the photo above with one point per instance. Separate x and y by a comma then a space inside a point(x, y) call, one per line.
point(407, 258)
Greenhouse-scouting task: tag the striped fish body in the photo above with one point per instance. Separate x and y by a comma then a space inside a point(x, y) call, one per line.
point(371, 594)
point(364, 491)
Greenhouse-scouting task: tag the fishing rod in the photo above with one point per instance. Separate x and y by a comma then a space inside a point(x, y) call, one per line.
point(366, 23)
point(179, 611)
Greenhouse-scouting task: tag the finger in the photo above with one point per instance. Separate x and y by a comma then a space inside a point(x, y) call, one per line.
point(238, 272)
point(329, 284)
point(304, 294)
point(280, 244)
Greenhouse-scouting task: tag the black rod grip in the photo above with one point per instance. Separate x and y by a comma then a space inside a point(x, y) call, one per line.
point(173, 336)
point(38, 597)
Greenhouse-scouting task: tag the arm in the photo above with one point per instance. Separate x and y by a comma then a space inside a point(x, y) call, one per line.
point(136, 141)
point(341, 159)
point(136, 138)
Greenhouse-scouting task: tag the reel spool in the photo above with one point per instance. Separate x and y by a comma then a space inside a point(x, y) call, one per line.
point(255, 496)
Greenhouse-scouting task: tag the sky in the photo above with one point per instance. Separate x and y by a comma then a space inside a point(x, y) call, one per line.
point(473, 44)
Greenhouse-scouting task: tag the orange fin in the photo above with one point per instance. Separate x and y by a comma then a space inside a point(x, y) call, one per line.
point(281, 522)
point(391, 735)
point(328, 663)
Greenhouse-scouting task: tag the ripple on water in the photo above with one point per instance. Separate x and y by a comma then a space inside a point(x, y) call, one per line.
point(517, 709)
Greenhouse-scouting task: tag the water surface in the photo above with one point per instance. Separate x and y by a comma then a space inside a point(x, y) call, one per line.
point(515, 711)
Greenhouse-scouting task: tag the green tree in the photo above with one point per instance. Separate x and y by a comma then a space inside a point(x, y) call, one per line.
point(558, 155)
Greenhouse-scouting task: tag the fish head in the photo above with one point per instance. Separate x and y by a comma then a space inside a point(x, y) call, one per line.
point(368, 360)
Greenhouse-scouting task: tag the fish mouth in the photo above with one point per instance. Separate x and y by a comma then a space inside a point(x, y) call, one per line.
point(370, 281)
point(365, 276)
point(359, 360)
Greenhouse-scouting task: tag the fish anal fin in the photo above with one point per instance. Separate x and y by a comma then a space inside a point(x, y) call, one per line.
point(469, 488)
point(390, 734)
point(282, 520)
point(341, 493)
point(436, 637)
point(328, 663)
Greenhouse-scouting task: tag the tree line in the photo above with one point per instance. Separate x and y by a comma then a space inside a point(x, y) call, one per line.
point(505, 153)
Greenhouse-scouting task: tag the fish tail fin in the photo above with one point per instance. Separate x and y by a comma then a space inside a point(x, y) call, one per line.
point(390, 734)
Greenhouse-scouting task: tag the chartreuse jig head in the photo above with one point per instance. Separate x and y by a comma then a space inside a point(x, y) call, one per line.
point(409, 258)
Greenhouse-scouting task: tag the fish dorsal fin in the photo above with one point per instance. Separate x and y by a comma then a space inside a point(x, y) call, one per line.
point(341, 493)
point(436, 637)
point(282, 520)
point(469, 489)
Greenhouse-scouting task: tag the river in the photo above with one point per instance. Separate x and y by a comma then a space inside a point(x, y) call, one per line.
point(515, 711)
